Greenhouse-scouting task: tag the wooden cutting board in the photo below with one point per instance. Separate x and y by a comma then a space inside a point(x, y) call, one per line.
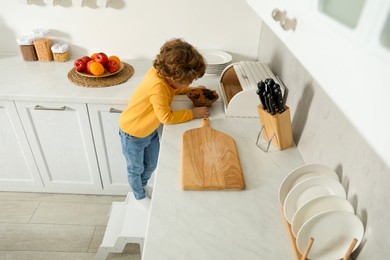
point(210, 160)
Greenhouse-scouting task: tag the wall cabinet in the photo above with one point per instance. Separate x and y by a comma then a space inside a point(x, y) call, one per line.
point(359, 24)
point(348, 55)
point(112, 163)
point(17, 165)
point(60, 138)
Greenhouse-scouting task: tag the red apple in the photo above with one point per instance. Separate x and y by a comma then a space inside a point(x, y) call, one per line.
point(112, 66)
point(89, 64)
point(85, 59)
point(102, 58)
point(79, 65)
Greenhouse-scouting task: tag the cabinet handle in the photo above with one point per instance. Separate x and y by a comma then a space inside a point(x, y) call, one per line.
point(278, 15)
point(114, 110)
point(38, 107)
point(285, 22)
point(289, 24)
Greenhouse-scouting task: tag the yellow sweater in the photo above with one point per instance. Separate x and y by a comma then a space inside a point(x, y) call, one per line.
point(149, 106)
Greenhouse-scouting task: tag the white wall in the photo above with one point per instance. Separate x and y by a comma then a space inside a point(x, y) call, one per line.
point(324, 134)
point(135, 29)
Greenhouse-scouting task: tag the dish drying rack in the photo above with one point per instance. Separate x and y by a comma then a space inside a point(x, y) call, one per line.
point(238, 85)
point(298, 255)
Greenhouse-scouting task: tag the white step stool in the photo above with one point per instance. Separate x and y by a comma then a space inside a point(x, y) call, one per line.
point(127, 224)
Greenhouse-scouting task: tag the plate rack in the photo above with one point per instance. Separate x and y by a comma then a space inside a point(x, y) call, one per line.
point(297, 253)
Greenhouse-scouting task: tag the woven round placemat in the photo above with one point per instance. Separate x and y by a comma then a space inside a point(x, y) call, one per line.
point(122, 76)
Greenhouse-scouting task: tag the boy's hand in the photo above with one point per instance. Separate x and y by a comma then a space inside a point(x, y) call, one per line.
point(200, 112)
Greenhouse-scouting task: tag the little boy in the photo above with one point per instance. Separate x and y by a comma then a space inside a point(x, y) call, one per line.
point(175, 67)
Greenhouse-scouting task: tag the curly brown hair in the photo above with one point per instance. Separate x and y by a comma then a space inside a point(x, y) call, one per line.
point(179, 61)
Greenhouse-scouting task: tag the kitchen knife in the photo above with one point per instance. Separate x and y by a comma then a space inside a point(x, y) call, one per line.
point(259, 91)
point(262, 99)
point(269, 81)
point(267, 106)
point(271, 103)
point(261, 85)
point(279, 100)
point(270, 86)
point(277, 86)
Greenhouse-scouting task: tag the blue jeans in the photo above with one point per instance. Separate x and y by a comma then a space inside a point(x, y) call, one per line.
point(141, 159)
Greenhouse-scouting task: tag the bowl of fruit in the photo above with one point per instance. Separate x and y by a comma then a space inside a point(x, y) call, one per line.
point(98, 65)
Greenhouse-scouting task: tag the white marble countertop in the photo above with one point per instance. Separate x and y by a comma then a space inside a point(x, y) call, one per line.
point(183, 224)
point(48, 81)
point(220, 224)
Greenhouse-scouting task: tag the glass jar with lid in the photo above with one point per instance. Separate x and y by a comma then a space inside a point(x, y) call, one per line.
point(27, 48)
point(42, 44)
point(60, 51)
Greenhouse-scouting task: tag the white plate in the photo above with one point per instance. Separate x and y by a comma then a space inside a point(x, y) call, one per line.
point(219, 69)
point(216, 72)
point(309, 189)
point(301, 173)
point(216, 57)
point(316, 206)
point(333, 232)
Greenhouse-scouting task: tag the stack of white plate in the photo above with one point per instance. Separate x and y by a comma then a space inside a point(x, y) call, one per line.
point(217, 60)
point(314, 203)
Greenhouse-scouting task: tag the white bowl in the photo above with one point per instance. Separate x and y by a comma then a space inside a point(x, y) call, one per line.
point(309, 189)
point(316, 206)
point(301, 173)
point(333, 233)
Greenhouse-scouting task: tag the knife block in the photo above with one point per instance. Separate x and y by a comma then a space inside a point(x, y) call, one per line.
point(276, 128)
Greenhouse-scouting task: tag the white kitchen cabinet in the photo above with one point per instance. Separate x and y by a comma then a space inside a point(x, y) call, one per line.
point(18, 171)
point(348, 57)
point(112, 163)
point(61, 141)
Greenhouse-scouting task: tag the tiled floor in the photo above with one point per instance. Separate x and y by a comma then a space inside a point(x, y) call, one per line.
point(36, 226)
